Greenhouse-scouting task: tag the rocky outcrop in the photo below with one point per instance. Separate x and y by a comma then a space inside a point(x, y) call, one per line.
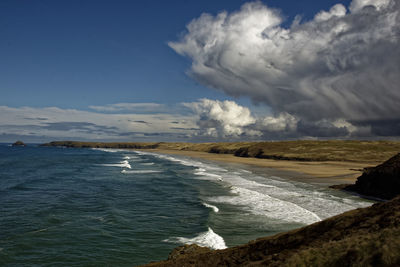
point(19, 143)
point(362, 237)
point(382, 181)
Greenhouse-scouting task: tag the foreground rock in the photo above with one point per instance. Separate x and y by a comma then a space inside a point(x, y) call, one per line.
point(382, 181)
point(362, 237)
point(19, 143)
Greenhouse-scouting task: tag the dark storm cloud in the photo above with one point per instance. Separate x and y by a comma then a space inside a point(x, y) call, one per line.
point(381, 127)
point(341, 65)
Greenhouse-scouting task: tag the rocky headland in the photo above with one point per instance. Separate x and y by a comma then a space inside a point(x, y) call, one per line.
point(382, 181)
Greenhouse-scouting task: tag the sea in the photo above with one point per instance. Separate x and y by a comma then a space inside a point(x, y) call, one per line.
point(109, 207)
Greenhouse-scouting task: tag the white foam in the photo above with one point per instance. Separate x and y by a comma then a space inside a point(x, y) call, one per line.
point(214, 208)
point(207, 174)
point(122, 164)
point(140, 171)
point(113, 150)
point(271, 196)
point(147, 163)
point(205, 239)
point(261, 204)
point(186, 162)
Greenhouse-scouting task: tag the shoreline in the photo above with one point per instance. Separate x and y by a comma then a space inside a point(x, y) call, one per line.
point(316, 172)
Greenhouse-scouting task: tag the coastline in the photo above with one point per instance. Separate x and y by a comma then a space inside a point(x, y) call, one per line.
point(319, 172)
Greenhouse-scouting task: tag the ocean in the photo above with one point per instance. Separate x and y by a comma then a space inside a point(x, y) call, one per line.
point(107, 207)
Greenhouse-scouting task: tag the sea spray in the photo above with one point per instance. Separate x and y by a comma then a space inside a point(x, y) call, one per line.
point(122, 164)
point(206, 239)
point(214, 208)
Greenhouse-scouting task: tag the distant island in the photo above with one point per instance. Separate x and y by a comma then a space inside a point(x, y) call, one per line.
point(18, 143)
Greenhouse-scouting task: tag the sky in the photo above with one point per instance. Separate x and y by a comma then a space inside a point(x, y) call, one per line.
point(185, 70)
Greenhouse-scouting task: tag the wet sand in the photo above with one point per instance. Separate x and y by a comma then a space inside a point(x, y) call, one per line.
point(321, 172)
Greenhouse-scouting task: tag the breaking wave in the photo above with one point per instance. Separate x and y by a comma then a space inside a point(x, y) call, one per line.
point(206, 239)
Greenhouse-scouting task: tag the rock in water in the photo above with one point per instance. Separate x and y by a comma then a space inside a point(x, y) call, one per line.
point(19, 143)
point(382, 181)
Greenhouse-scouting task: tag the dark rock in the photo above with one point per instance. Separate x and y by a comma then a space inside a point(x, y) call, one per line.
point(382, 181)
point(339, 186)
point(19, 143)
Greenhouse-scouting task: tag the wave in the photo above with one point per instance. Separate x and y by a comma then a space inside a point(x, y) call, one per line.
point(122, 164)
point(214, 208)
point(112, 150)
point(186, 162)
point(269, 196)
point(207, 174)
point(130, 157)
point(140, 171)
point(147, 163)
point(261, 204)
point(206, 239)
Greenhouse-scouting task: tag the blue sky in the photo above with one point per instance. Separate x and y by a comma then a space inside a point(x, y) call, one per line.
point(84, 55)
point(73, 54)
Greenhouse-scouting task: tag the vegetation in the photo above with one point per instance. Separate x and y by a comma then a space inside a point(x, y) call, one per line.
point(332, 150)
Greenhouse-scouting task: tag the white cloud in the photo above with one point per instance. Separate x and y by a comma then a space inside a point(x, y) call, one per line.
point(337, 66)
point(337, 10)
point(223, 118)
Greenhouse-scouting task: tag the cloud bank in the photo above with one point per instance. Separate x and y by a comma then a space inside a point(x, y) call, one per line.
point(52, 123)
point(335, 75)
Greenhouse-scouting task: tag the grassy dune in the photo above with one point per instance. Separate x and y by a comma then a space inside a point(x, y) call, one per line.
point(332, 150)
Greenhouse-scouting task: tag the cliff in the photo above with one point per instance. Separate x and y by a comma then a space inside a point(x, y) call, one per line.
point(362, 237)
point(382, 181)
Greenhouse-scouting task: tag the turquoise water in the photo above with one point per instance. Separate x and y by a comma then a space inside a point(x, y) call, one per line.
point(87, 207)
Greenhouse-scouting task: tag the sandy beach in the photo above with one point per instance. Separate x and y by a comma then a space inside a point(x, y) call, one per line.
point(321, 172)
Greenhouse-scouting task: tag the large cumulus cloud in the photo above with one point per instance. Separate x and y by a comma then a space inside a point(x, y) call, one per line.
point(343, 65)
point(223, 118)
